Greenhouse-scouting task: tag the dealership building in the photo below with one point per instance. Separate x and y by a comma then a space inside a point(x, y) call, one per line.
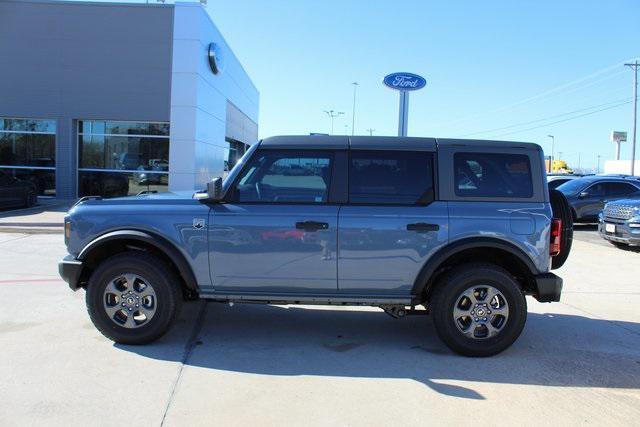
point(113, 99)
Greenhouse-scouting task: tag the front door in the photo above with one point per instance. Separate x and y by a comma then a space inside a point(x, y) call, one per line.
point(277, 231)
point(391, 225)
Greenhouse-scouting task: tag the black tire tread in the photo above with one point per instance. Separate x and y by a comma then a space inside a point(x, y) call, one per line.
point(563, 211)
point(448, 333)
point(157, 267)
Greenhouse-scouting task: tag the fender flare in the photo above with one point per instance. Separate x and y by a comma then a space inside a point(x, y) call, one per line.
point(434, 262)
point(160, 243)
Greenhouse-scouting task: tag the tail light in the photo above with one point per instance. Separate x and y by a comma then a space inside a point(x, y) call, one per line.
point(556, 237)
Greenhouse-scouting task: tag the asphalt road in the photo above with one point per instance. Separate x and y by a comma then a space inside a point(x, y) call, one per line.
point(577, 362)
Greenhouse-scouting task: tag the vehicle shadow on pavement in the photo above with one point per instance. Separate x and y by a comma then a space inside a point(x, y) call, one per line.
point(554, 350)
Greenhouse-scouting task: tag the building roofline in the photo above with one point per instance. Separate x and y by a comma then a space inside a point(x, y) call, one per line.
point(92, 3)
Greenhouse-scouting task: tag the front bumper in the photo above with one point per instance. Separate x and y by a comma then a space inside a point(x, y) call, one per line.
point(549, 287)
point(70, 270)
point(623, 232)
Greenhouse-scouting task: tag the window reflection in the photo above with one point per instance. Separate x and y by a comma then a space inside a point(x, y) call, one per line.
point(28, 151)
point(108, 148)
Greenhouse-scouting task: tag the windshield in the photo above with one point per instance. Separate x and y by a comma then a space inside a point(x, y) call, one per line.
point(572, 187)
point(238, 166)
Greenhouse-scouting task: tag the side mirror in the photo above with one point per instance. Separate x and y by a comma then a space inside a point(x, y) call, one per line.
point(213, 192)
point(584, 195)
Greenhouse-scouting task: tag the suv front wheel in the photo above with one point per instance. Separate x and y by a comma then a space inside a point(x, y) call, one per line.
point(478, 309)
point(133, 298)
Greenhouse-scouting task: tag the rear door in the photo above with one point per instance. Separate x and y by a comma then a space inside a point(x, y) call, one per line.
point(392, 222)
point(277, 232)
point(593, 202)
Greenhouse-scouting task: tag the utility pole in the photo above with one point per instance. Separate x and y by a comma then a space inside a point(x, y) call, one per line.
point(634, 67)
point(353, 112)
point(579, 155)
point(559, 155)
point(553, 140)
point(332, 115)
point(370, 131)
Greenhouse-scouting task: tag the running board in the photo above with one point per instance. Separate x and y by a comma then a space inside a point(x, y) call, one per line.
point(370, 300)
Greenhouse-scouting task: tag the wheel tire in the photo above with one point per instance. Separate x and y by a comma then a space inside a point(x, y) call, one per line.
point(163, 282)
point(563, 211)
point(31, 199)
point(450, 288)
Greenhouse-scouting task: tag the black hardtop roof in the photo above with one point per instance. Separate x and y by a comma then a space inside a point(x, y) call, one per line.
point(337, 142)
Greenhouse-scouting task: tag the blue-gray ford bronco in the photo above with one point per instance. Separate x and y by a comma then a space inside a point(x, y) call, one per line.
point(460, 229)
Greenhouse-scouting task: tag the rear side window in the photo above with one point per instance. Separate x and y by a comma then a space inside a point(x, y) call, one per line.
point(620, 189)
point(390, 177)
point(492, 175)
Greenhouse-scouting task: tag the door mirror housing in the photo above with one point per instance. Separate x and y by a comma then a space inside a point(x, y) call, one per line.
point(583, 195)
point(213, 193)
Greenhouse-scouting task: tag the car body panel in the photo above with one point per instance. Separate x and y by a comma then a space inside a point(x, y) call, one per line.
point(257, 247)
point(374, 238)
point(173, 217)
point(525, 225)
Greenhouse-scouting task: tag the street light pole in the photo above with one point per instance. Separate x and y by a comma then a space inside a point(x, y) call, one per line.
point(370, 131)
point(332, 115)
point(553, 140)
point(634, 66)
point(353, 112)
point(598, 169)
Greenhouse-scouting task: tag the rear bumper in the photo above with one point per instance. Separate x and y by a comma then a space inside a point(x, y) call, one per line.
point(549, 287)
point(70, 269)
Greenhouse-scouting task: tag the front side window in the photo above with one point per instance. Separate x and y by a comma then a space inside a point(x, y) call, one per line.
point(391, 177)
point(492, 175)
point(275, 176)
point(597, 190)
point(122, 158)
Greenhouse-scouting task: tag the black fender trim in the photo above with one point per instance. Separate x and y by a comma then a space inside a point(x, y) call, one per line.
point(434, 262)
point(154, 240)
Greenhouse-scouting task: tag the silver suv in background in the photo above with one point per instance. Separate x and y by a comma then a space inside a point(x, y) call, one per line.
point(619, 222)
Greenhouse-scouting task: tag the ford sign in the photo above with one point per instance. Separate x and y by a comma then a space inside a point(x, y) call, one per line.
point(404, 81)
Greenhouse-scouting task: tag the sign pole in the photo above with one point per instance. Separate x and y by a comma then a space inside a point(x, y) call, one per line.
point(403, 113)
point(404, 83)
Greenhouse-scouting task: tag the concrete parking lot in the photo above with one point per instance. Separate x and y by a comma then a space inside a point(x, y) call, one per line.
point(577, 362)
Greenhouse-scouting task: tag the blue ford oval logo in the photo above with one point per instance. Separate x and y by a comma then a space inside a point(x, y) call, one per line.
point(404, 81)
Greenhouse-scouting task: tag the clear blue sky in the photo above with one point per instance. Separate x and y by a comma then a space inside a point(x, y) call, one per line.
point(481, 59)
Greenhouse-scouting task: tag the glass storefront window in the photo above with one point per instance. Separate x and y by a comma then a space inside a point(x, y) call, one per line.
point(119, 184)
point(28, 151)
point(122, 158)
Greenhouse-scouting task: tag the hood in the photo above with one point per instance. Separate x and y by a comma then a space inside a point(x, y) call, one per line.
point(625, 202)
point(178, 197)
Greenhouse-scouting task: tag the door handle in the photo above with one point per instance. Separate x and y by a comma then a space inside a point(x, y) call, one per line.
point(312, 225)
point(422, 227)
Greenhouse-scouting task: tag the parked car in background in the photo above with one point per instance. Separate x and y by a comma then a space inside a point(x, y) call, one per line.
point(15, 193)
point(619, 222)
point(147, 177)
point(556, 180)
point(588, 195)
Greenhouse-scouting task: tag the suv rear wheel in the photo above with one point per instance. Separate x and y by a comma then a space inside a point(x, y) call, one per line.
point(478, 309)
point(132, 298)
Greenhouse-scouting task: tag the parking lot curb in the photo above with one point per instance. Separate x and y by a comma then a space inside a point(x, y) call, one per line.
point(32, 230)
